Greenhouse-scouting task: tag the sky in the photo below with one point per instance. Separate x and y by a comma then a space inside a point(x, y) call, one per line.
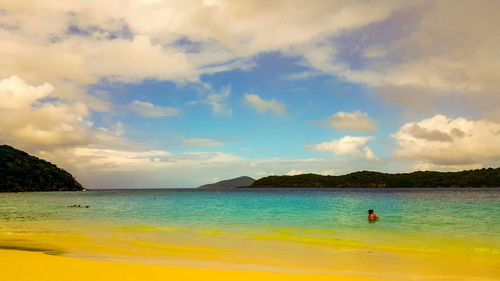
point(150, 93)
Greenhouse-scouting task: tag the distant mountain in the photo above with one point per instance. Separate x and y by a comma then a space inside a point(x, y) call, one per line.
point(20, 171)
point(232, 183)
point(473, 178)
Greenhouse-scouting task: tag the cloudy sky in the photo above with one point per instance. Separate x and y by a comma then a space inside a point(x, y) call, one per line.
point(182, 93)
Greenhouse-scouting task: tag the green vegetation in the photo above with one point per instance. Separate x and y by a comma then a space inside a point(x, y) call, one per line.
point(20, 171)
point(474, 178)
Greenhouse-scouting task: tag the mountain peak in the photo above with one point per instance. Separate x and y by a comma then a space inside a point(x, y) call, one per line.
point(231, 183)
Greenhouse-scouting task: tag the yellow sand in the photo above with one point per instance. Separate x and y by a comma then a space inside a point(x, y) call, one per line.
point(29, 266)
point(150, 253)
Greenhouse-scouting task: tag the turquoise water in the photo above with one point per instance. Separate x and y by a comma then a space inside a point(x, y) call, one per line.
point(422, 234)
point(451, 212)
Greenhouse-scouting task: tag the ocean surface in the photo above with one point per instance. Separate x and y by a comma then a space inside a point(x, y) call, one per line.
point(278, 229)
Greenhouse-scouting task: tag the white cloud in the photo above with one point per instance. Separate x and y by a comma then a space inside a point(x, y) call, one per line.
point(369, 154)
point(449, 142)
point(294, 172)
point(217, 102)
point(130, 41)
point(347, 145)
point(139, 59)
point(16, 94)
point(84, 42)
point(133, 166)
point(147, 109)
point(425, 51)
point(426, 166)
point(200, 142)
point(27, 121)
point(37, 124)
point(134, 40)
point(60, 48)
point(327, 173)
point(356, 121)
point(262, 106)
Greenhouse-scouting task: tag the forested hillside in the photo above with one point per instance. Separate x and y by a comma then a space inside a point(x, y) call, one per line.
point(20, 171)
point(473, 178)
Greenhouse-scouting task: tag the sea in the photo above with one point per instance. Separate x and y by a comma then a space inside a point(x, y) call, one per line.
point(422, 233)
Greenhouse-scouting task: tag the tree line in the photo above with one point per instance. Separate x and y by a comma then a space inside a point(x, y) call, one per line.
point(489, 177)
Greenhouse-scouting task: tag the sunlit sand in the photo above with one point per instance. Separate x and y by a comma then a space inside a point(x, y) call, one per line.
point(156, 253)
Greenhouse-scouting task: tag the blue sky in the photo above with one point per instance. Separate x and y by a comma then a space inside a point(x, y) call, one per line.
point(182, 93)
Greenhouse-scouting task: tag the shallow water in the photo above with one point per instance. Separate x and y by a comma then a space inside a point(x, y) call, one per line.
point(280, 227)
point(454, 212)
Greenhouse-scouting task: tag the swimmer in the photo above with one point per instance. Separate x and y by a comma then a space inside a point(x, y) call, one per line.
point(372, 216)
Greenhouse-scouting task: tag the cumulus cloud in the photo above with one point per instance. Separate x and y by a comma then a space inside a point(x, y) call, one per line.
point(369, 154)
point(59, 131)
point(263, 106)
point(442, 49)
point(424, 50)
point(16, 94)
point(147, 109)
point(161, 40)
point(83, 42)
point(442, 141)
point(83, 59)
point(356, 121)
point(27, 119)
point(446, 46)
point(347, 145)
point(200, 142)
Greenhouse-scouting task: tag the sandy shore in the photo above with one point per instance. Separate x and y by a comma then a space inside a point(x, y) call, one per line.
point(26, 265)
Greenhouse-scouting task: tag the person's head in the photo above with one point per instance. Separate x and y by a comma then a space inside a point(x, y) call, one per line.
point(370, 211)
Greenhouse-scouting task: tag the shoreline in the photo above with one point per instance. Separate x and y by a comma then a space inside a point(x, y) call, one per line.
point(25, 265)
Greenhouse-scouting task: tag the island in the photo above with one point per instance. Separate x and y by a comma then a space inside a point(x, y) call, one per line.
point(489, 177)
point(232, 183)
point(20, 172)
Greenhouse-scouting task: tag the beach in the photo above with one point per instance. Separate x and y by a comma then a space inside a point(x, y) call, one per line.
point(31, 263)
point(23, 265)
point(244, 235)
point(249, 140)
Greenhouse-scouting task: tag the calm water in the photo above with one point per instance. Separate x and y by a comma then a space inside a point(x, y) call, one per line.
point(447, 234)
point(451, 212)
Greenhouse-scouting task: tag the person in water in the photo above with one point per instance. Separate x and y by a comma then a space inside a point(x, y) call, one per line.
point(372, 216)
